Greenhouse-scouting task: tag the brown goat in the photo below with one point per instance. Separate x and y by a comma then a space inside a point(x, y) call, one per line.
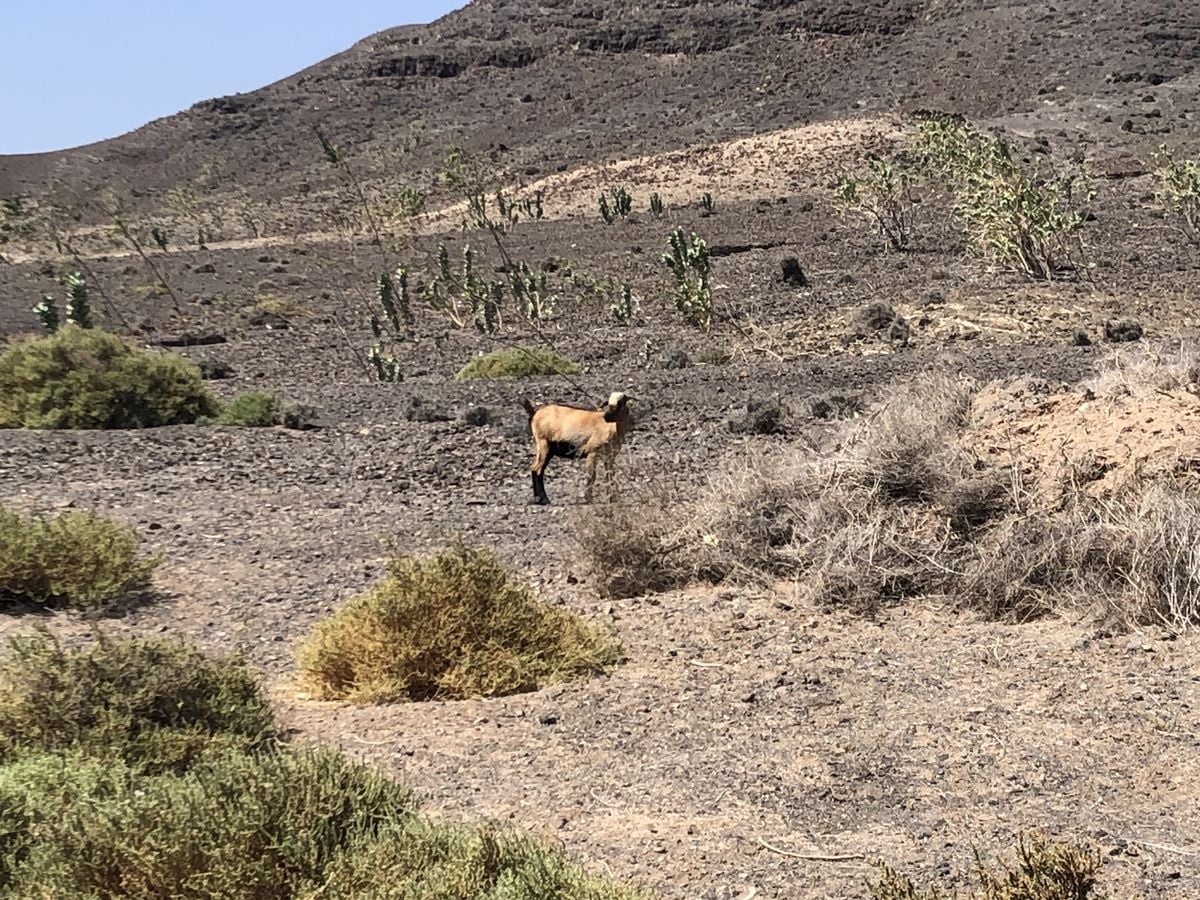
point(573, 432)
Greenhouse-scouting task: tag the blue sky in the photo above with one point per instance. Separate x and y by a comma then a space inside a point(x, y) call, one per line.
point(77, 71)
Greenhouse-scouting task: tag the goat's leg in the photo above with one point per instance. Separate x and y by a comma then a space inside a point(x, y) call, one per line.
point(537, 473)
point(610, 475)
point(591, 477)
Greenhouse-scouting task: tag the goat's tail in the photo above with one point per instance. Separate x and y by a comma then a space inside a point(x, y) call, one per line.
point(529, 408)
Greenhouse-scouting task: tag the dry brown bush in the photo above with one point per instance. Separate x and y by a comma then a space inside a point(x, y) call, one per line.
point(897, 508)
point(1147, 369)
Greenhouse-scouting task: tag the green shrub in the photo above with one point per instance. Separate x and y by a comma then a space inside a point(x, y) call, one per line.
point(517, 362)
point(883, 194)
point(85, 378)
point(236, 825)
point(687, 258)
point(154, 704)
point(451, 862)
point(1179, 190)
point(253, 409)
point(1044, 870)
point(76, 559)
point(454, 625)
point(1012, 212)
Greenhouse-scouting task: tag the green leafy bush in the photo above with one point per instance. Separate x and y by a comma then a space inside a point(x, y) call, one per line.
point(86, 378)
point(154, 704)
point(253, 409)
point(76, 559)
point(517, 362)
point(1012, 212)
point(1179, 190)
point(687, 258)
point(143, 769)
point(883, 194)
point(235, 825)
point(454, 625)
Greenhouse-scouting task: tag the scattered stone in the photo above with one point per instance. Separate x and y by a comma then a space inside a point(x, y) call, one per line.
point(836, 406)
point(205, 269)
point(676, 358)
point(214, 369)
point(261, 318)
point(792, 273)
point(201, 339)
point(298, 416)
point(1079, 338)
point(419, 411)
point(475, 416)
point(877, 318)
point(760, 417)
point(1123, 331)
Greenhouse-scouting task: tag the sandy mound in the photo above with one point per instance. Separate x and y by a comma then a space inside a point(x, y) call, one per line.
point(1061, 439)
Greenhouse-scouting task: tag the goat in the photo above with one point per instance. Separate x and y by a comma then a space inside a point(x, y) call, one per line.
point(576, 431)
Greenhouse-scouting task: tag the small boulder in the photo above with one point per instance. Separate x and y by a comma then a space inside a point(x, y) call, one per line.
point(418, 411)
point(792, 273)
point(760, 417)
point(1122, 332)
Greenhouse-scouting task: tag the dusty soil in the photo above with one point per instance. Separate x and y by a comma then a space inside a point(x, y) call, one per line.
point(740, 718)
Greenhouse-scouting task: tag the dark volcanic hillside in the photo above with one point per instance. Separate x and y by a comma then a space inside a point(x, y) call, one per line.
point(551, 85)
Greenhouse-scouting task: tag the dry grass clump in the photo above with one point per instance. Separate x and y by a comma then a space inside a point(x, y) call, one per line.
point(1044, 870)
point(77, 560)
point(1135, 554)
point(454, 625)
point(855, 525)
point(634, 547)
point(1147, 369)
point(896, 509)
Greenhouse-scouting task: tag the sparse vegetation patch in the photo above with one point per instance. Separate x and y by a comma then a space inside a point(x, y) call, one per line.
point(87, 378)
point(517, 362)
point(1044, 869)
point(75, 559)
point(454, 625)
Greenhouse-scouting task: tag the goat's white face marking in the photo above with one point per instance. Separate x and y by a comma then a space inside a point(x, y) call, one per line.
point(615, 398)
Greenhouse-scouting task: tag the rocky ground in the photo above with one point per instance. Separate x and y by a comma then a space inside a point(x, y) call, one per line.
point(749, 746)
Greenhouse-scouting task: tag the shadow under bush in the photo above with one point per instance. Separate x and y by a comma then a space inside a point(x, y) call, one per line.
point(454, 625)
point(87, 378)
point(77, 560)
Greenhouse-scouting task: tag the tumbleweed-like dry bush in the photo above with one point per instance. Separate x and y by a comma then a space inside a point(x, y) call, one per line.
point(898, 505)
point(455, 625)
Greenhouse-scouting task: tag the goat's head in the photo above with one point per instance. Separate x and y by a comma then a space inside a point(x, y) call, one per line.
point(617, 406)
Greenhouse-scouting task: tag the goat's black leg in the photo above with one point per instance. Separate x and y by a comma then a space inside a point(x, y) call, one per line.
point(539, 489)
